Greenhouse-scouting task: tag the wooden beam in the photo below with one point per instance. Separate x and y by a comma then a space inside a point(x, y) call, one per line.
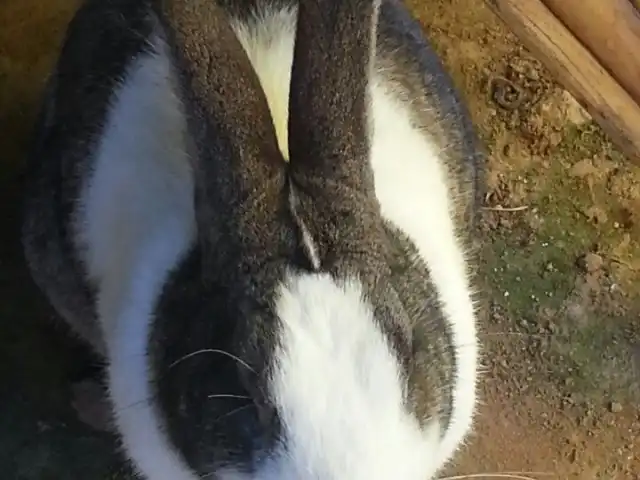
point(610, 29)
point(576, 68)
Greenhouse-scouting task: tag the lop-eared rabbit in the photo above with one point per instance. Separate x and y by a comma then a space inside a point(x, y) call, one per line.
point(265, 239)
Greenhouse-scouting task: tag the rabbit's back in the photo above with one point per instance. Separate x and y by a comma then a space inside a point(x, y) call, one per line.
point(110, 209)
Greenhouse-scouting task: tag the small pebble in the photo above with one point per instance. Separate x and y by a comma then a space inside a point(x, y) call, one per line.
point(590, 262)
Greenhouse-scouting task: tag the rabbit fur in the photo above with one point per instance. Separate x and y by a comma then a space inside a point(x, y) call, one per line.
point(259, 214)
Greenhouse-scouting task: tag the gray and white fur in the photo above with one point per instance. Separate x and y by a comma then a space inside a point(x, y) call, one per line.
point(265, 239)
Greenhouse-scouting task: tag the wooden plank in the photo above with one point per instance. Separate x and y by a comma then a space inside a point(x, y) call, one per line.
point(610, 30)
point(576, 69)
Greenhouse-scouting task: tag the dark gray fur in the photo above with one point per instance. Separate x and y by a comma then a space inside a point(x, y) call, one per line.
point(221, 296)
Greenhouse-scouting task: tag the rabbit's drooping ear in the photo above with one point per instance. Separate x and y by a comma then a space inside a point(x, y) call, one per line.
point(223, 90)
point(328, 103)
point(237, 159)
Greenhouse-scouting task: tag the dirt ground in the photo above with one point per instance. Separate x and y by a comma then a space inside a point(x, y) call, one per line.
point(559, 269)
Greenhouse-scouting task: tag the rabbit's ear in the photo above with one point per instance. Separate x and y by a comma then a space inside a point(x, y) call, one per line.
point(239, 168)
point(227, 112)
point(329, 98)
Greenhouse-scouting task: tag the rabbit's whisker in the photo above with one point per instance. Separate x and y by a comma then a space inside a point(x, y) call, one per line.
point(213, 350)
point(505, 475)
point(228, 395)
point(233, 412)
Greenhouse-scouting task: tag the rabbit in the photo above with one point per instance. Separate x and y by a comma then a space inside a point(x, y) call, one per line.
point(259, 214)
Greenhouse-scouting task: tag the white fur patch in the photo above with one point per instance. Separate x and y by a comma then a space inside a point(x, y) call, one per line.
point(268, 40)
point(136, 221)
point(411, 185)
point(338, 387)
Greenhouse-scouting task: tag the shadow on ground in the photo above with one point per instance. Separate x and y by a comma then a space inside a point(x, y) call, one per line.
point(40, 437)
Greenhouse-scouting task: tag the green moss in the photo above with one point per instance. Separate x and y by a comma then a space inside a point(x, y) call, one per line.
point(540, 274)
point(597, 358)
